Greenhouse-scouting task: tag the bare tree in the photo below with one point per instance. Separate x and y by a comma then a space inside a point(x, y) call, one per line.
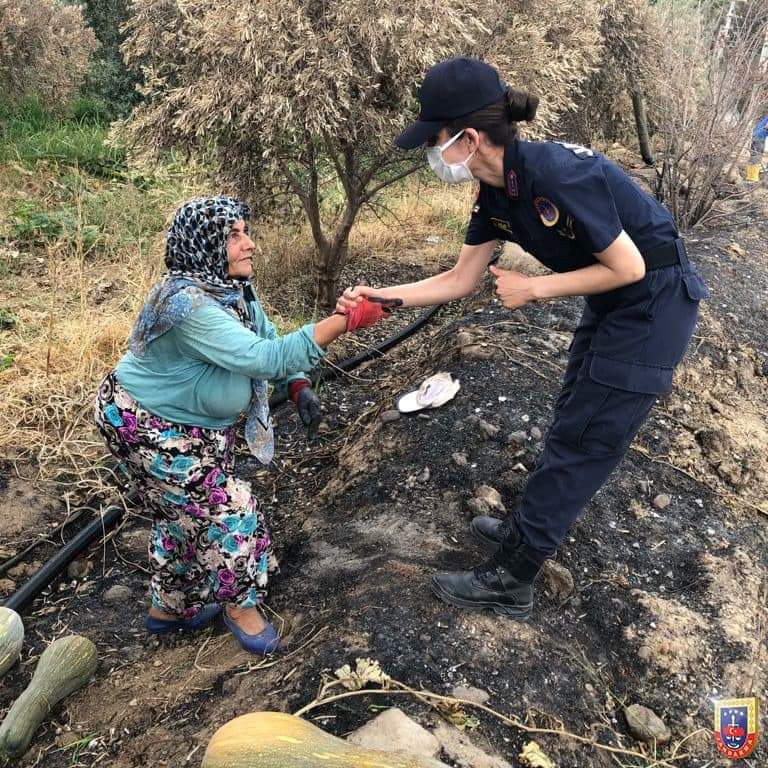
point(305, 97)
point(712, 86)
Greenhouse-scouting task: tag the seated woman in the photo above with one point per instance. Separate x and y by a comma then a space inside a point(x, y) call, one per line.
point(201, 352)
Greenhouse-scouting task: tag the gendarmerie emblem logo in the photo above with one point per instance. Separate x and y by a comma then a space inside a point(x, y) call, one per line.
point(547, 211)
point(736, 727)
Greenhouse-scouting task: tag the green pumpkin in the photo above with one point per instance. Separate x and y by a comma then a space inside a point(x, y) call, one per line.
point(65, 665)
point(277, 740)
point(11, 638)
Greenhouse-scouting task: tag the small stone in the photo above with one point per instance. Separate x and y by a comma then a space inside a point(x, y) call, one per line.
point(558, 578)
point(77, 569)
point(394, 730)
point(536, 433)
point(477, 507)
point(389, 416)
point(490, 497)
point(469, 693)
point(644, 652)
point(517, 439)
point(133, 703)
point(645, 725)
point(458, 747)
point(662, 501)
point(18, 571)
point(477, 352)
point(118, 593)
point(460, 459)
point(424, 476)
point(464, 338)
point(487, 430)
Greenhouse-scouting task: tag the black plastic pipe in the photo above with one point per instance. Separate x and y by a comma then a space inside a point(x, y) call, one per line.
point(59, 562)
point(379, 349)
point(113, 514)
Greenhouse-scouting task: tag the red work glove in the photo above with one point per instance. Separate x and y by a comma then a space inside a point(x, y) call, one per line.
point(368, 312)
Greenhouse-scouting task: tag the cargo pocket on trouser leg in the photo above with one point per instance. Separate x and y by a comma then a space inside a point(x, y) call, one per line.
point(609, 403)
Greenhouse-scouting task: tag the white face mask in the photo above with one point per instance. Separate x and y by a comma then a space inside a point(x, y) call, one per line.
point(450, 173)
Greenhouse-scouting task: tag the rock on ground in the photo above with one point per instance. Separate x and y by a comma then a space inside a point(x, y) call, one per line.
point(469, 693)
point(645, 725)
point(117, 593)
point(558, 579)
point(461, 751)
point(394, 730)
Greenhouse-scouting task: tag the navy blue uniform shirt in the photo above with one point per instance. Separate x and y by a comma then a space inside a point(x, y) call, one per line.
point(563, 203)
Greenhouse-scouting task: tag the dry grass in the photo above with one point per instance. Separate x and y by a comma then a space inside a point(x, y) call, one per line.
point(75, 298)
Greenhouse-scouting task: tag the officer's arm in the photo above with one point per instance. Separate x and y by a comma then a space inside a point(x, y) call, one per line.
point(619, 264)
point(457, 282)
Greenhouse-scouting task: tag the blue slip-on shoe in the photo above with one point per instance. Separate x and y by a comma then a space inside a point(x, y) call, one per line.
point(201, 619)
point(267, 641)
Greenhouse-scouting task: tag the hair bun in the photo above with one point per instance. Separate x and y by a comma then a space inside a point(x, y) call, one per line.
point(521, 105)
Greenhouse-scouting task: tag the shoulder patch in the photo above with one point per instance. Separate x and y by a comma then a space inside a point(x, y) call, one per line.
point(512, 188)
point(547, 210)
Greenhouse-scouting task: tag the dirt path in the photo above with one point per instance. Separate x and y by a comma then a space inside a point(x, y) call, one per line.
point(668, 609)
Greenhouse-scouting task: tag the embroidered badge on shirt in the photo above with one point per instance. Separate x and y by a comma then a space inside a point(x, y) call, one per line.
point(512, 189)
point(503, 225)
point(566, 228)
point(547, 211)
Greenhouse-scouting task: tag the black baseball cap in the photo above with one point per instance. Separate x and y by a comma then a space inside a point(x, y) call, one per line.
point(453, 88)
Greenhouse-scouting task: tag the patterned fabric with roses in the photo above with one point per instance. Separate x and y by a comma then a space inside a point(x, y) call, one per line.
point(209, 541)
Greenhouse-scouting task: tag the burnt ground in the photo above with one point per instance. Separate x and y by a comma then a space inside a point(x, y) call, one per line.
point(668, 608)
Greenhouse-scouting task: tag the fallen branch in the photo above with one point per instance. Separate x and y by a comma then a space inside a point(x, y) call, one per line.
point(400, 689)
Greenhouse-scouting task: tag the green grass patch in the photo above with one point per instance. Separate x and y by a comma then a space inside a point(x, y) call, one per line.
point(29, 135)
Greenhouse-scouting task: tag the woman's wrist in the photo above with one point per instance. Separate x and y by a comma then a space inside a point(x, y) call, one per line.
point(329, 329)
point(538, 288)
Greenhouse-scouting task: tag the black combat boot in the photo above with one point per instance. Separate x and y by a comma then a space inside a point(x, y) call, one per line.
point(490, 531)
point(504, 583)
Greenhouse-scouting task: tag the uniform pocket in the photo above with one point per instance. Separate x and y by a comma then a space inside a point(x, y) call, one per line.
point(609, 403)
point(695, 287)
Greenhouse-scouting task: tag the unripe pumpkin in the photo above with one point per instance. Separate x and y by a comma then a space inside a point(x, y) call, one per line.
point(11, 638)
point(64, 666)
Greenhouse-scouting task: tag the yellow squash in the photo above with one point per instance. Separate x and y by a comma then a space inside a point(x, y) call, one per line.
point(277, 740)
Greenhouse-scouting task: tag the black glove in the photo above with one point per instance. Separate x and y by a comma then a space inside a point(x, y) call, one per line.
point(308, 406)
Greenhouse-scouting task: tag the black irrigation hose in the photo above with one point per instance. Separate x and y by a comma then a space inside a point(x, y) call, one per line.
point(59, 562)
point(114, 514)
point(375, 351)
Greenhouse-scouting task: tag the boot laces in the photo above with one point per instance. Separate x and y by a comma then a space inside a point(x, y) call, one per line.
point(490, 573)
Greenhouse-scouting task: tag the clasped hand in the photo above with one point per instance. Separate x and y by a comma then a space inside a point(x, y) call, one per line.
point(513, 288)
point(363, 307)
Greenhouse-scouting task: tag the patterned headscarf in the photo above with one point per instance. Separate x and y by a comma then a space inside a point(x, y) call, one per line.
point(198, 273)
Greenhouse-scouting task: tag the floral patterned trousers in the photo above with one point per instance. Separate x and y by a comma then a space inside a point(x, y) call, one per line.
point(209, 541)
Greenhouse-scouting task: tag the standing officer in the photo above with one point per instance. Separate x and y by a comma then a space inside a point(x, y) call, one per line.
point(604, 239)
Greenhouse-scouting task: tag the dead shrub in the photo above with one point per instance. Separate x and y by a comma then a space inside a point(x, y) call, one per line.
point(712, 86)
point(45, 48)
